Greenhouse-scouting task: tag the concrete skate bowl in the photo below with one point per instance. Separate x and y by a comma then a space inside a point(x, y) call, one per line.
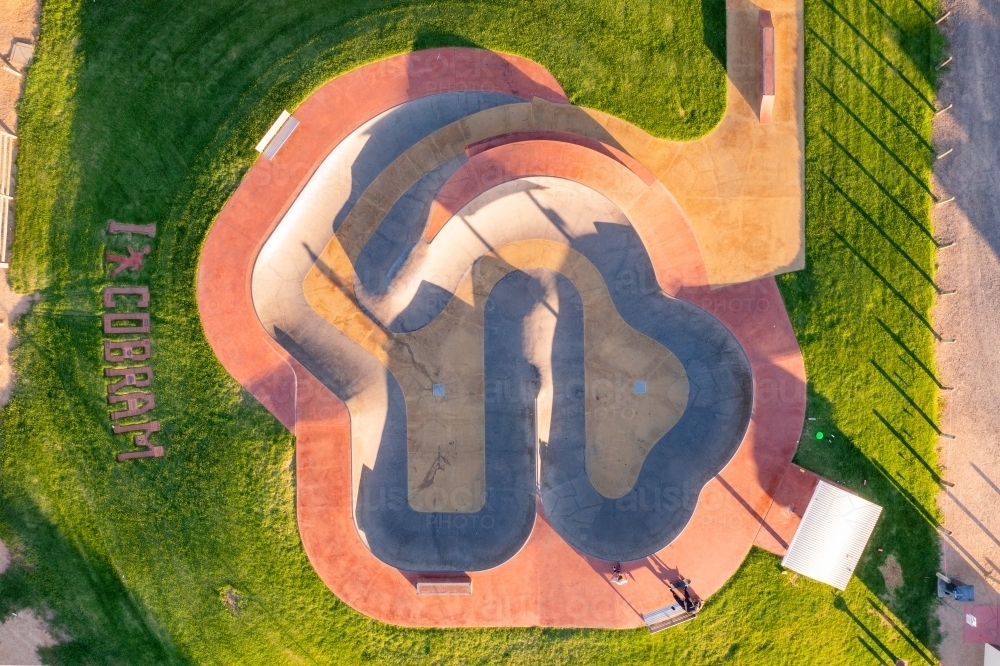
point(451, 396)
point(487, 323)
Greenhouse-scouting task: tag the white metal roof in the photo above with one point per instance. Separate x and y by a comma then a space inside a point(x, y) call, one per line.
point(832, 535)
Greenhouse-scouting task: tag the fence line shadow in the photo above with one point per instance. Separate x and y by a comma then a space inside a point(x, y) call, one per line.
point(882, 188)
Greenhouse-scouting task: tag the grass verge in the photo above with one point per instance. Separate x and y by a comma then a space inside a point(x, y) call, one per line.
point(861, 309)
point(149, 111)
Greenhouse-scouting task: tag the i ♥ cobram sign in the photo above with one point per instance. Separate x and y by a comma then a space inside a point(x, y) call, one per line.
point(127, 347)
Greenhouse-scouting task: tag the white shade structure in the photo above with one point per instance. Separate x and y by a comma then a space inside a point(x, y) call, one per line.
point(832, 535)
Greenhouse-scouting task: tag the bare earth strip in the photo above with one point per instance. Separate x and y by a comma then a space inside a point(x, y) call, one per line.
point(4, 558)
point(971, 365)
point(22, 633)
point(18, 22)
point(20, 637)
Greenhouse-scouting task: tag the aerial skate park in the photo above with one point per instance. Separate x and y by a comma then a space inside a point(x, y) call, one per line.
point(510, 356)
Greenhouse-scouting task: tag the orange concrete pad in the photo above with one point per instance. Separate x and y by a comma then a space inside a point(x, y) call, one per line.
point(742, 185)
point(785, 514)
point(546, 583)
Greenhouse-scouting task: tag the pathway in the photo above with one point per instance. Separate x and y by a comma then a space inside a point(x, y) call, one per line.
point(972, 175)
point(23, 633)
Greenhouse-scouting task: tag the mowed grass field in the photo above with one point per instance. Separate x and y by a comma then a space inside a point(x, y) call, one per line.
point(148, 112)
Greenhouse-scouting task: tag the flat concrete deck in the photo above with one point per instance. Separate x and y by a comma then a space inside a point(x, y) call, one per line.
point(291, 365)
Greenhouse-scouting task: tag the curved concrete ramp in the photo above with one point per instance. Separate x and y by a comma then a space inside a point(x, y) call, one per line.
point(462, 301)
point(414, 360)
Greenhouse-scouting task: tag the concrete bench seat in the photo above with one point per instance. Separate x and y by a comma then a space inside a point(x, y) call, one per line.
point(767, 68)
point(444, 586)
point(666, 617)
point(277, 135)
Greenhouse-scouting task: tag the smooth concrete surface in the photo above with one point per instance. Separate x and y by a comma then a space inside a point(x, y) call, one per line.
point(546, 582)
point(560, 211)
point(321, 207)
point(606, 440)
point(447, 468)
point(742, 185)
point(357, 373)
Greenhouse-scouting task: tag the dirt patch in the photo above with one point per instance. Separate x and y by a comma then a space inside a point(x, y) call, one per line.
point(232, 599)
point(5, 558)
point(18, 23)
point(12, 306)
point(892, 574)
point(21, 635)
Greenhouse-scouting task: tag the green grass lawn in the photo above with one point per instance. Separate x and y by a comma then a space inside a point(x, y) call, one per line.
point(148, 111)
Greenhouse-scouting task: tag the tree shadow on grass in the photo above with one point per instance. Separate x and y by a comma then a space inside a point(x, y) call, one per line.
point(88, 606)
point(907, 530)
point(713, 22)
point(434, 39)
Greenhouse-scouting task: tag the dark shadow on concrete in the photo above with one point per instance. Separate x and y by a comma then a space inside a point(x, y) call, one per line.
point(743, 64)
point(429, 301)
point(401, 127)
point(746, 505)
point(420, 541)
point(401, 229)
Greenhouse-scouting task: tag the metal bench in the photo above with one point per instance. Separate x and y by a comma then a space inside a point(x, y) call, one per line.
point(666, 617)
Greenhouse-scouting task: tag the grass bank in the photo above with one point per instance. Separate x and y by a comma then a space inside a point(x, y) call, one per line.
point(148, 111)
point(861, 309)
